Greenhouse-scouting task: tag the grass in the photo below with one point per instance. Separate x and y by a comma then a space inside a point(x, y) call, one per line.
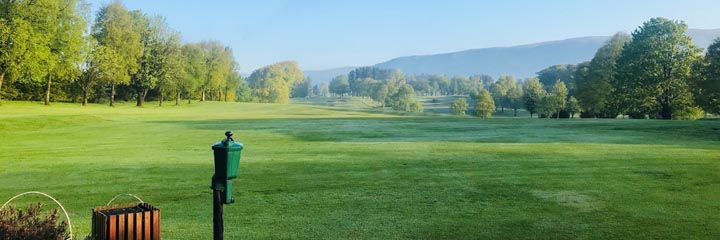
point(329, 172)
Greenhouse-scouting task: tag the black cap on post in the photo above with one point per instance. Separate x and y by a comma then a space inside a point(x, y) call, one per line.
point(229, 134)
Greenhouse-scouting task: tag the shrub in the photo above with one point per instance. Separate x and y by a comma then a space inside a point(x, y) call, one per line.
point(459, 107)
point(485, 105)
point(16, 224)
point(415, 106)
point(689, 113)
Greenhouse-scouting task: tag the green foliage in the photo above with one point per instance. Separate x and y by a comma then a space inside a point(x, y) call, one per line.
point(563, 72)
point(595, 88)
point(116, 30)
point(485, 105)
point(707, 79)
point(272, 84)
point(219, 62)
point(401, 97)
point(558, 97)
point(573, 106)
point(193, 68)
point(340, 85)
point(499, 90)
point(545, 105)
point(459, 85)
point(16, 224)
point(653, 70)
point(688, 113)
point(514, 98)
point(459, 107)
point(303, 88)
point(533, 90)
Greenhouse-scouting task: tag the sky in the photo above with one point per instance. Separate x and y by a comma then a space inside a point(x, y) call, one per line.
point(326, 34)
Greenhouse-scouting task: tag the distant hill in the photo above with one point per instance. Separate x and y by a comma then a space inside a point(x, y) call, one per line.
point(522, 61)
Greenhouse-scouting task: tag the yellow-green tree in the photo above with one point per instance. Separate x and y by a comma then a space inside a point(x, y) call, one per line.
point(459, 107)
point(218, 63)
point(485, 106)
point(272, 84)
point(116, 31)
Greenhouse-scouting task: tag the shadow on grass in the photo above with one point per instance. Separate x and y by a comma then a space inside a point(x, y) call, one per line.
point(467, 129)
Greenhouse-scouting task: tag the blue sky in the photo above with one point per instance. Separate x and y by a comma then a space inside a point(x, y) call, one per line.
point(329, 34)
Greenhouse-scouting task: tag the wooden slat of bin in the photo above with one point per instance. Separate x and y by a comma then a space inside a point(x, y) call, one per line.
point(156, 224)
point(121, 226)
point(112, 228)
point(146, 221)
point(103, 227)
point(130, 226)
point(138, 225)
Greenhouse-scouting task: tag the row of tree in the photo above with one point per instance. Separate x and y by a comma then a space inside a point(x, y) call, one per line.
point(48, 53)
point(654, 73)
point(388, 87)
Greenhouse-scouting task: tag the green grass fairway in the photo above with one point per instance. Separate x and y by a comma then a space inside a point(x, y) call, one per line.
point(324, 172)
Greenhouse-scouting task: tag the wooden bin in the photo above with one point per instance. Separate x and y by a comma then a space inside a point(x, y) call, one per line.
point(135, 221)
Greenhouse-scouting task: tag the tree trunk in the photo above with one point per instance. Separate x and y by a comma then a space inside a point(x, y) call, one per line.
point(85, 93)
point(2, 78)
point(141, 97)
point(161, 99)
point(177, 99)
point(47, 93)
point(112, 95)
point(515, 112)
point(202, 99)
point(665, 111)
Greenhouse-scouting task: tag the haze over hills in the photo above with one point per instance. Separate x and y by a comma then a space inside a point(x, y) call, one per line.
point(521, 61)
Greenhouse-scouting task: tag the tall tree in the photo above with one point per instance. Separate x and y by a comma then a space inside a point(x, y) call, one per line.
point(193, 69)
point(573, 106)
point(340, 85)
point(653, 70)
point(595, 89)
point(708, 80)
point(272, 84)
point(26, 31)
point(533, 90)
point(515, 98)
point(116, 32)
point(302, 88)
point(159, 63)
point(499, 91)
point(558, 97)
point(485, 106)
point(169, 66)
point(218, 61)
point(66, 43)
point(459, 107)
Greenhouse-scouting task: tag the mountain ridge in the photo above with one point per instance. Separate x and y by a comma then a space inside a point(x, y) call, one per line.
point(520, 60)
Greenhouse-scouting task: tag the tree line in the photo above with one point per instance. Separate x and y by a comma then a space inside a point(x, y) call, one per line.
point(50, 53)
point(656, 72)
point(388, 87)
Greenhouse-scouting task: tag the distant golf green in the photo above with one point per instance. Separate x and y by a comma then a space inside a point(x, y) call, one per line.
point(337, 172)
